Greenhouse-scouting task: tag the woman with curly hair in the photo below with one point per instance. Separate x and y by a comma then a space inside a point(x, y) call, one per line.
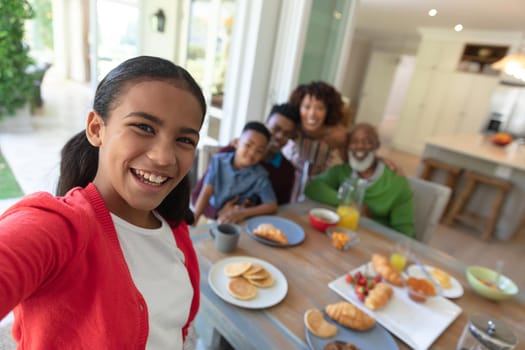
point(322, 137)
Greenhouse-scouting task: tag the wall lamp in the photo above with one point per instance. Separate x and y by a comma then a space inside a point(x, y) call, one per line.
point(158, 20)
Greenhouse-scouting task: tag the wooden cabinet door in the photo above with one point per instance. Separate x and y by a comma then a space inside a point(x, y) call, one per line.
point(454, 103)
point(412, 110)
point(431, 115)
point(438, 55)
point(477, 107)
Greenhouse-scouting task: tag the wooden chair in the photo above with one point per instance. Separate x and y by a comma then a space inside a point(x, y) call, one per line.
point(430, 165)
point(430, 200)
point(485, 224)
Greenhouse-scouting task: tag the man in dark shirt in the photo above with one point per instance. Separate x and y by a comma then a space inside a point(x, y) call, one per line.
point(282, 122)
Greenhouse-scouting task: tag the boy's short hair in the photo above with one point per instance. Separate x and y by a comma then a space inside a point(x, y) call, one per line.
point(286, 110)
point(259, 127)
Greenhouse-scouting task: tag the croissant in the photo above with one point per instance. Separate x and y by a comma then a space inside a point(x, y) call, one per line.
point(349, 316)
point(383, 267)
point(379, 296)
point(271, 232)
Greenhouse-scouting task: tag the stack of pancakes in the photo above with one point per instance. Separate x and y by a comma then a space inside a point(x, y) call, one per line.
point(245, 278)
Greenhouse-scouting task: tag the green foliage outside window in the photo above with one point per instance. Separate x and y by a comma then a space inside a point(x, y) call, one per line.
point(16, 83)
point(43, 25)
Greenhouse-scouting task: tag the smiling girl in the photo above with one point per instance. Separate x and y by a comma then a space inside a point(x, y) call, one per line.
point(109, 264)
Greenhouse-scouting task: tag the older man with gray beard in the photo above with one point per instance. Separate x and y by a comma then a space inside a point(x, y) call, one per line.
point(388, 197)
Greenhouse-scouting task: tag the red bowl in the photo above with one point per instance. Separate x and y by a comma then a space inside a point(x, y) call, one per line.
point(321, 218)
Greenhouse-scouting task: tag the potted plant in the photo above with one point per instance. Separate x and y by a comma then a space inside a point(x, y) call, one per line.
point(16, 81)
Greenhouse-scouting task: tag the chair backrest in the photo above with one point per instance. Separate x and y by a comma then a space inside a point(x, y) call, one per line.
point(204, 157)
point(430, 201)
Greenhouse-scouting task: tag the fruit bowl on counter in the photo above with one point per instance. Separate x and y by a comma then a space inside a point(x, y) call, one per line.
point(501, 138)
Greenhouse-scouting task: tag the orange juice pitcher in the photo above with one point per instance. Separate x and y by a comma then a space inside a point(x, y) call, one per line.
point(351, 195)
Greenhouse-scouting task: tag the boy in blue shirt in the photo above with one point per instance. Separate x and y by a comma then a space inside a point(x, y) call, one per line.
point(239, 175)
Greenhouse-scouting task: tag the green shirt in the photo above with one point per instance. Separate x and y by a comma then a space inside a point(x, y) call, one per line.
point(388, 196)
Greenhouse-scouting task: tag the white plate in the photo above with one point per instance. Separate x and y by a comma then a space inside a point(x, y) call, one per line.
point(375, 338)
point(455, 291)
point(402, 316)
point(266, 297)
point(293, 232)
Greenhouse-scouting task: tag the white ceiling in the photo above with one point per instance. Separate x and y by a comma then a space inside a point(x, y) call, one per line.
point(403, 17)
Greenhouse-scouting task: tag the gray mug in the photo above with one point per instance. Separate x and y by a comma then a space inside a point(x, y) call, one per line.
point(226, 237)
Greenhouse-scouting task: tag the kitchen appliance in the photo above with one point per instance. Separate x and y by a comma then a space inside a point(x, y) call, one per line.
point(507, 111)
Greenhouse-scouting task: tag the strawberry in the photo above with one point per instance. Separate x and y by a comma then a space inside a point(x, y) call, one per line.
point(362, 281)
point(349, 278)
point(361, 297)
point(361, 290)
point(377, 279)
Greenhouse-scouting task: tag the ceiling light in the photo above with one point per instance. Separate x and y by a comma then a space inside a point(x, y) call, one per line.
point(432, 12)
point(458, 27)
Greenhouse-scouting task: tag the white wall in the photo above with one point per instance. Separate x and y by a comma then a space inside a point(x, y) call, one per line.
point(250, 64)
point(69, 37)
point(161, 44)
point(399, 88)
point(356, 70)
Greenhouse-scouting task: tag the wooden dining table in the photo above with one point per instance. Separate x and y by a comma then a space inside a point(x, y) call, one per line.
point(308, 268)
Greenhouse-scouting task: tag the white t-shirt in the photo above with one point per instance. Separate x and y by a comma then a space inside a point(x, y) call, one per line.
point(157, 267)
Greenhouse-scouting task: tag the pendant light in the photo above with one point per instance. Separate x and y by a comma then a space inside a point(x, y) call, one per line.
point(513, 64)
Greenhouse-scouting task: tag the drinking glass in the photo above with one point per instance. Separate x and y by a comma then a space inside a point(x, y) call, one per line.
point(399, 255)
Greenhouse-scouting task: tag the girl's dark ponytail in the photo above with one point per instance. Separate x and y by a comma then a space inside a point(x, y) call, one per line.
point(78, 165)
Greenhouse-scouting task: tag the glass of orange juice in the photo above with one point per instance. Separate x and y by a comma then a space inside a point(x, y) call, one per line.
point(348, 216)
point(399, 256)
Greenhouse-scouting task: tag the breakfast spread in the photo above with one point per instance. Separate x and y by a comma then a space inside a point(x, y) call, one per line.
point(315, 322)
point(442, 278)
point(241, 289)
point(245, 278)
point(339, 239)
point(270, 232)
point(237, 269)
point(349, 315)
point(379, 296)
point(370, 290)
point(340, 345)
point(421, 285)
point(383, 267)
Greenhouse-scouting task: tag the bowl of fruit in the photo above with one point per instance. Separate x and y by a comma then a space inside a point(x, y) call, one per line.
point(501, 138)
point(322, 218)
point(489, 284)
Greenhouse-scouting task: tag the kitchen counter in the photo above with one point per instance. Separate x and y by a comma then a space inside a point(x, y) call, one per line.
point(476, 152)
point(480, 146)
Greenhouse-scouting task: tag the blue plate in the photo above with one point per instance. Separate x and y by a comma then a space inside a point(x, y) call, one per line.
point(375, 338)
point(294, 232)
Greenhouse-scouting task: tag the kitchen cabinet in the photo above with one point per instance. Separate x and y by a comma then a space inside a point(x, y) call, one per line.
point(421, 113)
point(439, 55)
point(442, 103)
point(440, 99)
point(466, 104)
